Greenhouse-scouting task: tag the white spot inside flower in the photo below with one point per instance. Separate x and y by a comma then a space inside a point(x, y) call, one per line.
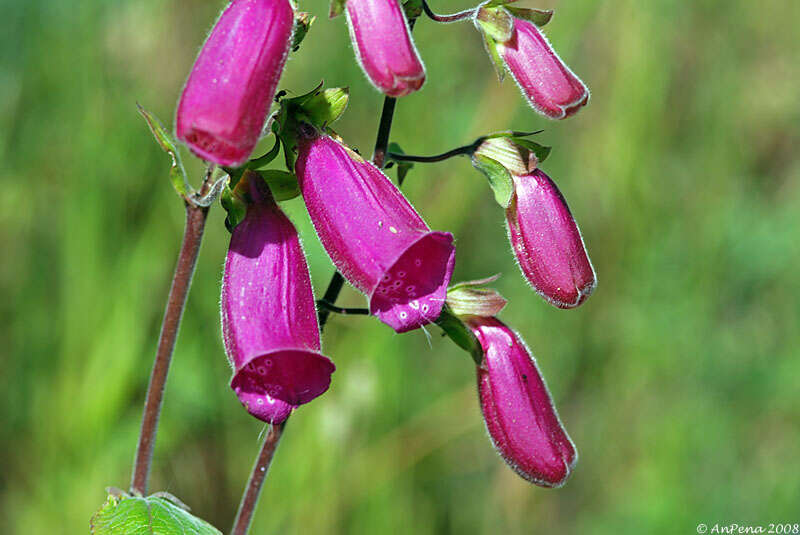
point(414, 304)
point(393, 230)
point(380, 224)
point(403, 315)
point(425, 308)
point(260, 401)
point(270, 400)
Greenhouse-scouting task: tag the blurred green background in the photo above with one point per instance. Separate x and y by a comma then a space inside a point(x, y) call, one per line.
point(678, 380)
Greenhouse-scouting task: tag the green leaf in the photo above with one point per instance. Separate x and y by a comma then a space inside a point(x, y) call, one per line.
point(539, 17)
point(402, 167)
point(460, 334)
point(282, 184)
point(496, 22)
point(177, 173)
point(499, 178)
point(337, 8)
point(131, 515)
point(303, 22)
point(325, 107)
point(540, 151)
point(497, 62)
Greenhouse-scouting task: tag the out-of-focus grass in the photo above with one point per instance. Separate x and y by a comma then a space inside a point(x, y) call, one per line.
point(677, 379)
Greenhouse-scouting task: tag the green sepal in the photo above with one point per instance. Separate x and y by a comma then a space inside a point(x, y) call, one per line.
point(460, 334)
point(282, 184)
point(497, 62)
point(540, 151)
point(318, 107)
point(303, 22)
point(496, 22)
point(234, 205)
point(413, 9)
point(124, 514)
point(539, 17)
point(177, 173)
point(326, 106)
point(402, 167)
point(499, 178)
point(256, 163)
point(471, 299)
point(337, 8)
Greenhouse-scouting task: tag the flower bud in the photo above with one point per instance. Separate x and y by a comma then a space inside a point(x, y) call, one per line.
point(550, 86)
point(517, 408)
point(232, 84)
point(547, 242)
point(269, 320)
point(374, 236)
point(383, 46)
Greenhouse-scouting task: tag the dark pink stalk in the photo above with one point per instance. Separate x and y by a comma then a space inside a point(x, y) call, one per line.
point(269, 321)
point(384, 47)
point(231, 87)
point(550, 86)
point(517, 408)
point(374, 236)
point(547, 242)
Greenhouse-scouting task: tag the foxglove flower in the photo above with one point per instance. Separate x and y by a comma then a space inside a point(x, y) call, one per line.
point(383, 46)
point(522, 422)
point(231, 87)
point(269, 321)
point(374, 236)
point(550, 86)
point(547, 242)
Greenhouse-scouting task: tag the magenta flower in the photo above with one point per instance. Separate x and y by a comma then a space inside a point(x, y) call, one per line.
point(517, 408)
point(550, 86)
point(373, 235)
point(230, 89)
point(547, 242)
point(269, 321)
point(383, 46)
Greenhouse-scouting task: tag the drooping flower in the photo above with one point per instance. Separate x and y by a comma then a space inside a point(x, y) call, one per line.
point(269, 321)
point(547, 242)
point(549, 85)
point(374, 236)
point(517, 408)
point(384, 47)
point(229, 92)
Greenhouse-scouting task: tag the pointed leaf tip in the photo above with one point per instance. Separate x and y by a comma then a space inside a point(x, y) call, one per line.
point(177, 173)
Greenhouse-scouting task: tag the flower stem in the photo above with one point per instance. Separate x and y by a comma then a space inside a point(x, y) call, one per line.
point(249, 500)
point(176, 302)
point(455, 17)
point(250, 497)
point(321, 303)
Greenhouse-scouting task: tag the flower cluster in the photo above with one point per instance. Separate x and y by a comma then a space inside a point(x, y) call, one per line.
point(376, 239)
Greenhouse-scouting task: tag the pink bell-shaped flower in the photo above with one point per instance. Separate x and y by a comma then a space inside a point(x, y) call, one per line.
point(519, 413)
point(549, 85)
point(374, 236)
point(230, 90)
point(384, 47)
point(547, 242)
point(269, 319)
